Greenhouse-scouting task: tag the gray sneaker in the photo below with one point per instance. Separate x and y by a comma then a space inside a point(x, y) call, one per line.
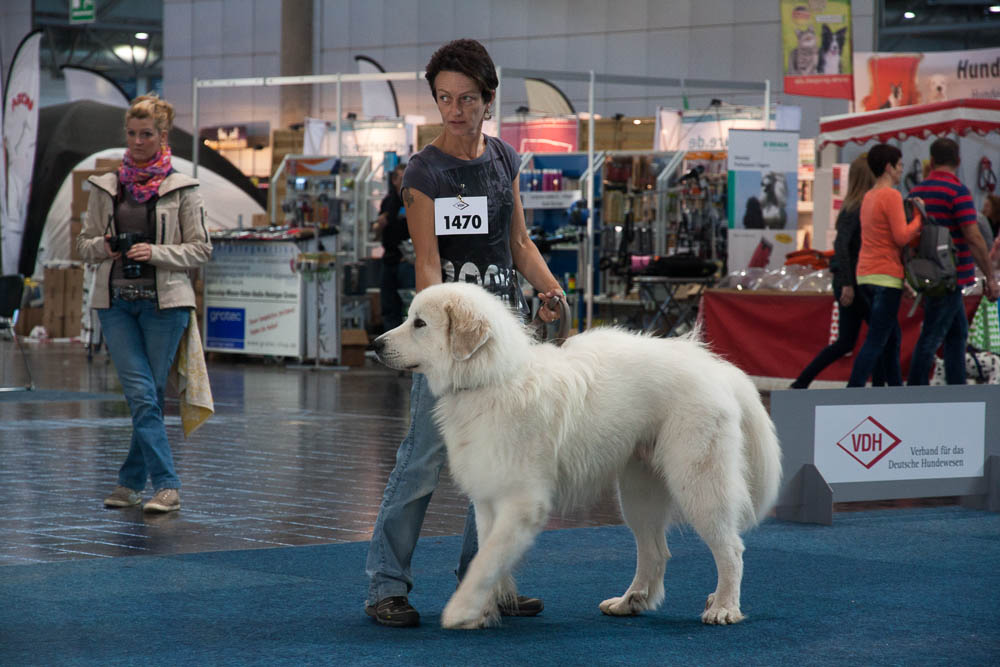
point(164, 500)
point(123, 496)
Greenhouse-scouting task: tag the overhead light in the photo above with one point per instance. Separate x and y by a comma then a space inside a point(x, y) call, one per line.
point(909, 15)
point(995, 9)
point(142, 35)
point(130, 54)
point(637, 122)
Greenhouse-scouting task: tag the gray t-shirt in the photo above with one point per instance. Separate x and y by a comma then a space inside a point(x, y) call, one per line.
point(484, 259)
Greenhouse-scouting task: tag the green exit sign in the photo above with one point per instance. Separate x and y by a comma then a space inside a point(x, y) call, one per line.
point(82, 11)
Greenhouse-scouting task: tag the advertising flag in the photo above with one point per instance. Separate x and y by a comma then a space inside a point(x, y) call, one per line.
point(816, 47)
point(20, 132)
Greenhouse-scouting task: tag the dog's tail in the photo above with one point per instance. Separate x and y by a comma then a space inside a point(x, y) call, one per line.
point(763, 453)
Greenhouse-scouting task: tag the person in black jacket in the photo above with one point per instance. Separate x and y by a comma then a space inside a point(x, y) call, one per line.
point(391, 226)
point(853, 308)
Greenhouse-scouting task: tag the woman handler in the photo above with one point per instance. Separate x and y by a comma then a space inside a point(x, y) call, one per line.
point(464, 214)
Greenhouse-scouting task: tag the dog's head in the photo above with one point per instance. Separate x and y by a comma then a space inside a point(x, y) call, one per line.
point(937, 88)
point(773, 188)
point(832, 41)
point(457, 334)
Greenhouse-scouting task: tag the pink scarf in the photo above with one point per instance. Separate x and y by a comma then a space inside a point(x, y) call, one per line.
point(144, 182)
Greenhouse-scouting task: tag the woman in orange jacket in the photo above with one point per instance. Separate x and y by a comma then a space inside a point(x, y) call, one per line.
point(884, 232)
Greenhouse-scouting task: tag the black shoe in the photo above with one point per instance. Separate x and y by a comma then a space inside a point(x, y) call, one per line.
point(522, 606)
point(396, 612)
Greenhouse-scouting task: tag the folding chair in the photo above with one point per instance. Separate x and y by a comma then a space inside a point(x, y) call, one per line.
point(11, 292)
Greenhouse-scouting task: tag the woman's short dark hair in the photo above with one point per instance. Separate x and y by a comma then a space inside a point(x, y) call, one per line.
point(468, 57)
point(882, 155)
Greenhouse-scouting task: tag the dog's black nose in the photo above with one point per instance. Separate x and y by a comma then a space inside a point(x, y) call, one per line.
point(378, 345)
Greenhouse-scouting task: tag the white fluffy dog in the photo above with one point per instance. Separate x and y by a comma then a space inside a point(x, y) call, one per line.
point(531, 428)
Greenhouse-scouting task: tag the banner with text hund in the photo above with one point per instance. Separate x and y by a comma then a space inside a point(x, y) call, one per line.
point(888, 80)
point(816, 47)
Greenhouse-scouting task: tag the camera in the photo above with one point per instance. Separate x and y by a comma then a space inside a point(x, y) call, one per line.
point(122, 243)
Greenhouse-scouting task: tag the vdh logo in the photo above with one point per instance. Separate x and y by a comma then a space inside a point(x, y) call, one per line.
point(460, 205)
point(22, 98)
point(868, 442)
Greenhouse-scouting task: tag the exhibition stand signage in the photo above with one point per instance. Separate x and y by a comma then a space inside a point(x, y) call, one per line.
point(253, 299)
point(763, 170)
point(883, 443)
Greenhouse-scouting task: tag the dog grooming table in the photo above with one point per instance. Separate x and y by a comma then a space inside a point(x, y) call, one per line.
point(660, 296)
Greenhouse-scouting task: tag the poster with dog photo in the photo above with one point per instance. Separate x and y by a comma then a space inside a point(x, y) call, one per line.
point(889, 80)
point(763, 170)
point(763, 208)
point(816, 47)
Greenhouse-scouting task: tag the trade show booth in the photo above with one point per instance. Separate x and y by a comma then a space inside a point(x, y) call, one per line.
point(973, 123)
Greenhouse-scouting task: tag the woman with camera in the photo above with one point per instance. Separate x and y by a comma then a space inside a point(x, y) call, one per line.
point(145, 229)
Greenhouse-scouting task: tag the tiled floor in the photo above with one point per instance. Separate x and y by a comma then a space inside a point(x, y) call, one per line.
point(291, 457)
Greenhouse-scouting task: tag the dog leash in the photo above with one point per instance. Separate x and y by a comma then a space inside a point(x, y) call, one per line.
point(539, 325)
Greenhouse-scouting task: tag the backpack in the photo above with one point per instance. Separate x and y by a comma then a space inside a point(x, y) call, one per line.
point(929, 265)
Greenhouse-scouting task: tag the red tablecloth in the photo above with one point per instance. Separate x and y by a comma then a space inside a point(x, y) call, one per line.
point(776, 334)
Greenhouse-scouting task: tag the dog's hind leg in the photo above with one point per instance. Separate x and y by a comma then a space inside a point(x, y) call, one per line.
point(645, 505)
point(515, 524)
point(723, 606)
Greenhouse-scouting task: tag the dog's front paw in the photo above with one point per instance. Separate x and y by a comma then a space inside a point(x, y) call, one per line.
point(629, 604)
point(458, 617)
point(720, 614)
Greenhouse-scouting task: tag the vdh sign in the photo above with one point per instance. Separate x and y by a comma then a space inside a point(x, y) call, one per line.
point(868, 442)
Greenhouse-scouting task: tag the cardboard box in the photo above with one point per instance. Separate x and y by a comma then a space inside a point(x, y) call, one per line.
point(75, 226)
point(81, 190)
point(63, 301)
point(261, 220)
point(27, 319)
point(353, 343)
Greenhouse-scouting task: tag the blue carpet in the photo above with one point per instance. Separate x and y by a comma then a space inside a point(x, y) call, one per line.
point(899, 587)
point(47, 395)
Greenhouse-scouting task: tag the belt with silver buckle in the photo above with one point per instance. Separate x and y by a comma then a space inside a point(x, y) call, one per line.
point(130, 293)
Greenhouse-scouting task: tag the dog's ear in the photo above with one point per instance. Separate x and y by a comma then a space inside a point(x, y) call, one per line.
point(468, 330)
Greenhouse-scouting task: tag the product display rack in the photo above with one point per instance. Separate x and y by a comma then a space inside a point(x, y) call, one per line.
point(326, 191)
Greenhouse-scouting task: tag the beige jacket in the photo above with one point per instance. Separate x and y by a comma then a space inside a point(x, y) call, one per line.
point(181, 244)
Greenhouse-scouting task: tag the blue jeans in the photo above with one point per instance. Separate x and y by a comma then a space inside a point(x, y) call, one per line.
point(142, 340)
point(883, 337)
point(850, 319)
point(404, 503)
point(944, 322)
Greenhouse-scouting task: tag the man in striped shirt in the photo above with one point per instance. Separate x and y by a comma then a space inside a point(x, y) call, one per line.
point(949, 203)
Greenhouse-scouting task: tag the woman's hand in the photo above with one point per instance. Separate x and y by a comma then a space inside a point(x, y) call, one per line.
point(107, 248)
point(140, 252)
point(846, 296)
point(551, 310)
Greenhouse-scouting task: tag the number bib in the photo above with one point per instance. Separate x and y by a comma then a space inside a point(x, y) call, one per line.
point(467, 215)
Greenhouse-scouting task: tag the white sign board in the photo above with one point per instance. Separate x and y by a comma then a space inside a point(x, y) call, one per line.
point(253, 299)
point(877, 443)
point(708, 130)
